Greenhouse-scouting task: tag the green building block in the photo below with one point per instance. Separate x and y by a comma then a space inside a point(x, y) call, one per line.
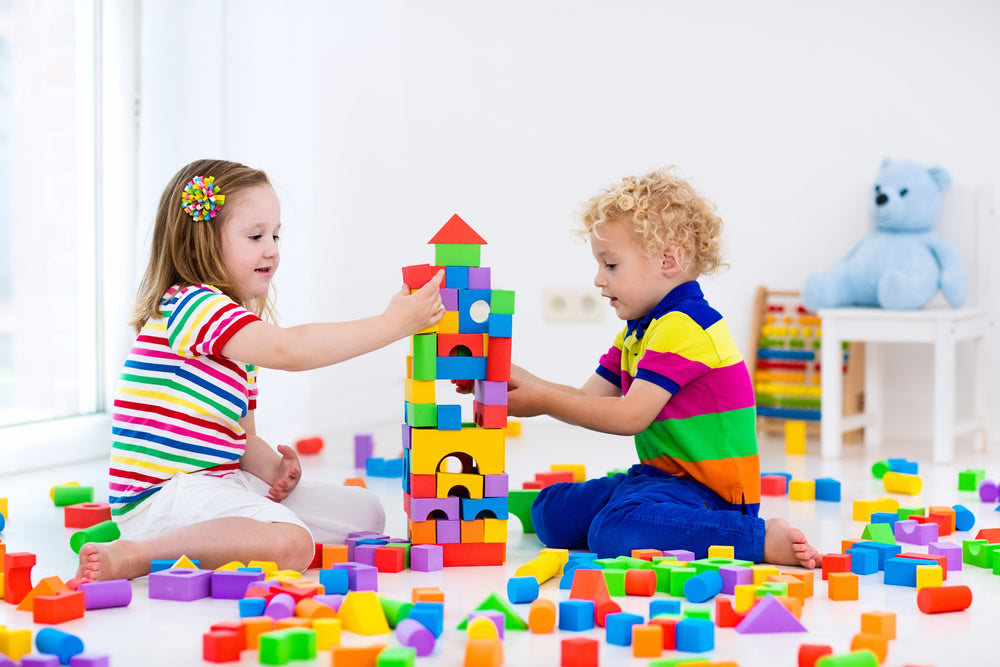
point(905, 513)
point(970, 479)
point(274, 648)
point(303, 643)
point(494, 602)
point(635, 563)
point(678, 578)
point(676, 662)
point(697, 612)
point(397, 656)
point(974, 552)
point(616, 582)
point(663, 570)
point(502, 301)
point(879, 469)
point(610, 564)
point(519, 504)
point(879, 532)
point(395, 610)
point(419, 415)
point(425, 357)
point(456, 254)
point(617, 471)
point(779, 588)
point(714, 564)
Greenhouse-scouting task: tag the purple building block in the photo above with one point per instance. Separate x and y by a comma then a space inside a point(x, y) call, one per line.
point(233, 584)
point(479, 277)
point(39, 660)
point(6, 662)
point(497, 617)
point(733, 576)
point(365, 553)
point(407, 437)
point(911, 532)
point(495, 486)
point(988, 491)
point(360, 577)
point(421, 508)
point(180, 584)
point(85, 660)
point(106, 594)
point(449, 297)
point(364, 447)
point(680, 554)
point(951, 552)
point(415, 635)
point(281, 606)
point(354, 538)
point(490, 393)
point(449, 532)
point(426, 558)
point(332, 601)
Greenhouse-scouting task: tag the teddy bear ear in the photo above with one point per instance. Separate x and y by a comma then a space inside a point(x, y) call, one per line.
point(885, 163)
point(940, 176)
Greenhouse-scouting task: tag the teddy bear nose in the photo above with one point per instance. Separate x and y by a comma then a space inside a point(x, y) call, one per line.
point(881, 199)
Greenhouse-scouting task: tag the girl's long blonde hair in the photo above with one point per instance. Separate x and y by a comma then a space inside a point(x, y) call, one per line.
point(185, 252)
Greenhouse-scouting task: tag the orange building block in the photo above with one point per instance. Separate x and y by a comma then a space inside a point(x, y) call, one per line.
point(646, 554)
point(47, 586)
point(542, 616)
point(355, 481)
point(796, 587)
point(669, 626)
point(310, 609)
point(64, 606)
point(473, 531)
point(254, 627)
point(423, 532)
point(877, 644)
point(356, 656)
point(807, 578)
point(879, 623)
point(647, 641)
point(842, 586)
point(793, 605)
point(483, 653)
point(334, 553)
point(426, 594)
point(293, 622)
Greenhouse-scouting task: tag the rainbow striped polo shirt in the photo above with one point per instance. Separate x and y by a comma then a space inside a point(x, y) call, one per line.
point(707, 431)
point(179, 401)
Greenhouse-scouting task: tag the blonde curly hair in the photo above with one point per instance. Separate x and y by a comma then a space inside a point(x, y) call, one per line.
point(664, 209)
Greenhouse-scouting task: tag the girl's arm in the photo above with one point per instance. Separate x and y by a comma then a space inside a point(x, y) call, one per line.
point(280, 469)
point(308, 346)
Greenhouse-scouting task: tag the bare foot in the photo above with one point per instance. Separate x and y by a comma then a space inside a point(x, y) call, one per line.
point(110, 560)
point(784, 545)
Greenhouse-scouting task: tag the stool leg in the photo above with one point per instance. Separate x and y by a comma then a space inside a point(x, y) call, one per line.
point(981, 390)
point(875, 354)
point(944, 396)
point(831, 433)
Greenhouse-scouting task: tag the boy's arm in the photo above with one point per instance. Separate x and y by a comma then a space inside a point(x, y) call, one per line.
point(597, 405)
point(309, 346)
point(280, 469)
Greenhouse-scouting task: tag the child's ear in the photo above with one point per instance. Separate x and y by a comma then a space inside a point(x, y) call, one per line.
point(672, 260)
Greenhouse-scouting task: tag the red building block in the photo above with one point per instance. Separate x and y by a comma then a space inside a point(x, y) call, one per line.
point(498, 360)
point(669, 626)
point(221, 646)
point(602, 609)
point(640, 582)
point(390, 559)
point(418, 275)
point(232, 626)
point(532, 484)
point(579, 652)
point(725, 615)
point(810, 653)
point(423, 486)
point(64, 606)
point(483, 553)
point(930, 558)
point(489, 416)
point(317, 560)
point(836, 563)
point(85, 515)
point(773, 485)
point(17, 575)
point(553, 477)
point(991, 535)
point(309, 445)
point(261, 592)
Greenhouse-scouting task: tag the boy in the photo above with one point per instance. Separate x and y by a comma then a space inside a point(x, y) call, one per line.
point(675, 380)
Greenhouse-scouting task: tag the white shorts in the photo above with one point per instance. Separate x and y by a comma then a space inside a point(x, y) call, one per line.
point(329, 513)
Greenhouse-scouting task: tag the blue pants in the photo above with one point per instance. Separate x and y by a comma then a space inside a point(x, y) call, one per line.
point(644, 509)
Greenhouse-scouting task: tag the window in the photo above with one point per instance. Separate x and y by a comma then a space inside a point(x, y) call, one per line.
point(49, 354)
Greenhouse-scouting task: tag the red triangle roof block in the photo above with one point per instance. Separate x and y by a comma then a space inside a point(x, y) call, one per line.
point(457, 230)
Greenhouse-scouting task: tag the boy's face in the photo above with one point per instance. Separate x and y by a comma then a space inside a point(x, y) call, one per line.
point(626, 275)
point(250, 239)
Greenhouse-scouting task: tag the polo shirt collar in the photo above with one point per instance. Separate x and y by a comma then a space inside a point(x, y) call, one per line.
point(688, 290)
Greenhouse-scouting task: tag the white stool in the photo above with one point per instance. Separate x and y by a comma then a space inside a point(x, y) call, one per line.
point(944, 328)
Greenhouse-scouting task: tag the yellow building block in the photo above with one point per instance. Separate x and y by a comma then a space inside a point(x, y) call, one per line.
point(3, 508)
point(268, 567)
point(482, 446)
point(15, 643)
point(448, 323)
point(327, 633)
point(897, 482)
point(231, 565)
point(762, 572)
point(481, 628)
point(795, 436)
point(721, 551)
point(886, 504)
point(561, 554)
point(744, 596)
point(542, 567)
point(419, 391)
point(294, 575)
point(184, 563)
point(494, 530)
point(579, 470)
point(929, 576)
point(513, 428)
point(863, 510)
point(471, 482)
point(362, 614)
point(802, 489)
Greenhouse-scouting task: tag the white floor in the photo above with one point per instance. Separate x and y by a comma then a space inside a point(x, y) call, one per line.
point(155, 632)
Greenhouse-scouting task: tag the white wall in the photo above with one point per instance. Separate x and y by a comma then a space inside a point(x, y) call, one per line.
point(379, 120)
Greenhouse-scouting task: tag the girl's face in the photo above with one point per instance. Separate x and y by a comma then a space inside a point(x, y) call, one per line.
point(625, 274)
point(249, 238)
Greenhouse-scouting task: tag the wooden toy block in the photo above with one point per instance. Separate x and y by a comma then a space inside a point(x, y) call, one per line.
point(58, 608)
point(85, 515)
point(795, 437)
point(542, 616)
point(773, 485)
point(498, 360)
point(487, 553)
point(472, 446)
point(877, 644)
point(929, 575)
point(17, 575)
point(472, 531)
point(842, 586)
point(940, 599)
point(802, 489)
point(896, 482)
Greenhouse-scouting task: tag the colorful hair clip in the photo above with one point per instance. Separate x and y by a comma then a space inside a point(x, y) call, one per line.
point(201, 198)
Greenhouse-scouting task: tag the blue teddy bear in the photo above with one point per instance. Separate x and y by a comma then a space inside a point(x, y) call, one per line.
point(902, 263)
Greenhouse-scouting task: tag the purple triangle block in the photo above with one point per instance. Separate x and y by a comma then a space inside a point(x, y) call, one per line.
point(769, 615)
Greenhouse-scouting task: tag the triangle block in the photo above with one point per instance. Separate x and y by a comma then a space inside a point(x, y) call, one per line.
point(47, 586)
point(361, 613)
point(879, 532)
point(184, 563)
point(769, 615)
point(457, 231)
point(493, 602)
point(589, 585)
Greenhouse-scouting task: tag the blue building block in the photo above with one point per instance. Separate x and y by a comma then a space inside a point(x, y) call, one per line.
point(863, 561)
point(466, 298)
point(703, 587)
point(522, 589)
point(884, 551)
point(449, 417)
point(902, 571)
point(885, 517)
point(334, 581)
point(471, 508)
point(250, 607)
point(160, 565)
point(660, 607)
point(570, 568)
point(828, 489)
point(456, 277)
point(576, 615)
point(619, 628)
point(695, 635)
point(501, 326)
point(461, 368)
point(379, 467)
point(430, 615)
point(964, 518)
point(903, 466)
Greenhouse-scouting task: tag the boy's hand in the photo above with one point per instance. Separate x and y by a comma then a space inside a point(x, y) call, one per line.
point(289, 473)
point(413, 312)
point(523, 396)
point(464, 386)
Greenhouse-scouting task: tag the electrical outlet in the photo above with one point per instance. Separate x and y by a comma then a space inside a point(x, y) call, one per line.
point(572, 304)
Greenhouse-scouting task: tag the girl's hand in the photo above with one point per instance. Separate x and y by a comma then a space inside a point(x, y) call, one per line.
point(289, 473)
point(412, 312)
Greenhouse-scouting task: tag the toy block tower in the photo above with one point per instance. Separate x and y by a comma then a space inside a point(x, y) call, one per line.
point(454, 484)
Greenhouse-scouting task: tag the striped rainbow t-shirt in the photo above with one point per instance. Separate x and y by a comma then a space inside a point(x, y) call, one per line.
point(707, 431)
point(179, 401)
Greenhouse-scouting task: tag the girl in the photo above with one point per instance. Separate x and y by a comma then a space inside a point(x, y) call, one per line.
point(189, 474)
